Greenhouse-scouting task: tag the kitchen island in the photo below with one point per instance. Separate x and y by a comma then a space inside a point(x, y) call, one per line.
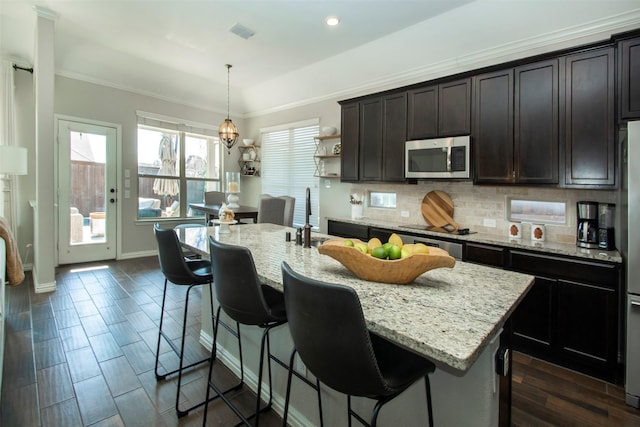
point(453, 317)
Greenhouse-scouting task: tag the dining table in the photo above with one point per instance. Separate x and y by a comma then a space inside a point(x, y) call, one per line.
point(454, 317)
point(211, 211)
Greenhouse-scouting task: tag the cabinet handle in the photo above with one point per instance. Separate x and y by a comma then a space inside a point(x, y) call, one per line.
point(635, 303)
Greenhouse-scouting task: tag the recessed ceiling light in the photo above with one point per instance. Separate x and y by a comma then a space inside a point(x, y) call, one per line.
point(332, 21)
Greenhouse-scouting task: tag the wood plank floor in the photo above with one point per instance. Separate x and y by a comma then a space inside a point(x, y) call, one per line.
point(84, 356)
point(547, 395)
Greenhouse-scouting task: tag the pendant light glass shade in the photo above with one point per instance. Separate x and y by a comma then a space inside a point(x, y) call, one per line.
point(228, 131)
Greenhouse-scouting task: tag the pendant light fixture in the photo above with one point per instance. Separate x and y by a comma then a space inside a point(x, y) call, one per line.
point(228, 131)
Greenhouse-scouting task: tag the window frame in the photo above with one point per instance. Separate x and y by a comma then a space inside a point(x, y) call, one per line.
point(182, 130)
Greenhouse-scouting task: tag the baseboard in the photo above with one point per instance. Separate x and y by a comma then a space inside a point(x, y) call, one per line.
point(294, 417)
point(139, 254)
point(40, 288)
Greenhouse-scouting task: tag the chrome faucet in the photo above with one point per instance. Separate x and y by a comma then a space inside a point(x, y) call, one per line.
point(307, 226)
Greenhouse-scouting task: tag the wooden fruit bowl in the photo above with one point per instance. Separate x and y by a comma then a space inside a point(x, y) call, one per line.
point(398, 271)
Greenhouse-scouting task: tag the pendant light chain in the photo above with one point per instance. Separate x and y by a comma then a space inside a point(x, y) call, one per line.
point(228, 88)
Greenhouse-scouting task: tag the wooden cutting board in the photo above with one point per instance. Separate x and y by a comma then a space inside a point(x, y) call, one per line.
point(437, 210)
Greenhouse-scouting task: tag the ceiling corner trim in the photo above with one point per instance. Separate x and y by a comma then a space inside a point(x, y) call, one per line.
point(596, 30)
point(43, 12)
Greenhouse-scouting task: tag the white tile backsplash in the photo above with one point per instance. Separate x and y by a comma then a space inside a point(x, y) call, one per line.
point(474, 203)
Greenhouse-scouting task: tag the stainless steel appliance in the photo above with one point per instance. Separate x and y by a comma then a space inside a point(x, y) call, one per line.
point(587, 236)
point(606, 227)
point(629, 201)
point(438, 158)
point(454, 249)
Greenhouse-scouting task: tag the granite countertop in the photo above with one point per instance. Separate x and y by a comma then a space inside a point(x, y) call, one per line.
point(545, 247)
point(447, 315)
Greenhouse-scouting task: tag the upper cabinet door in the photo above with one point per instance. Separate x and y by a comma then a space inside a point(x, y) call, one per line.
point(629, 52)
point(439, 110)
point(394, 135)
point(371, 140)
point(422, 108)
point(350, 130)
point(589, 119)
point(454, 108)
point(536, 131)
point(493, 127)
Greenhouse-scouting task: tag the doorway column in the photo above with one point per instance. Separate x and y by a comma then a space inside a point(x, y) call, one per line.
point(44, 210)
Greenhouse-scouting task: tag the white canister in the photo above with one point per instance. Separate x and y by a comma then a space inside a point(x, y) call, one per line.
point(515, 230)
point(538, 233)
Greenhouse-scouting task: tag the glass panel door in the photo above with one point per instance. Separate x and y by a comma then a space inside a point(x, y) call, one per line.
point(86, 192)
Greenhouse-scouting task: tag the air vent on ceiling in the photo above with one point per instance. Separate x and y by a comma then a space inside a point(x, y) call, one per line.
point(242, 31)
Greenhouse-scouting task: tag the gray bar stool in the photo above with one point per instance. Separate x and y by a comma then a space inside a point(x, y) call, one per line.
point(182, 272)
point(331, 337)
point(245, 300)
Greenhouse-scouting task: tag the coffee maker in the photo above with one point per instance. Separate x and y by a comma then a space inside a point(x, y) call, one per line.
point(606, 228)
point(587, 225)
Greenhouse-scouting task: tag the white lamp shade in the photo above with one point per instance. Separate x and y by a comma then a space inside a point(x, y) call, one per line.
point(13, 160)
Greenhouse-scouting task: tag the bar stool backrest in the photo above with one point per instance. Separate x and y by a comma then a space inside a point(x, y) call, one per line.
point(237, 286)
point(172, 262)
point(331, 336)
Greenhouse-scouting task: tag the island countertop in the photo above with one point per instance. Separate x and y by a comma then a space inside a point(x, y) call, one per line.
point(447, 315)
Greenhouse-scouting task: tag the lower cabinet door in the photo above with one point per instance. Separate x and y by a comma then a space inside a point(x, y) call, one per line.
point(587, 331)
point(533, 321)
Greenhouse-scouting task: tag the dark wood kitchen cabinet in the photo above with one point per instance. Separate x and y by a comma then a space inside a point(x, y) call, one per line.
point(587, 324)
point(533, 326)
point(371, 139)
point(589, 119)
point(516, 126)
point(629, 60)
point(348, 230)
point(536, 124)
point(571, 316)
point(439, 110)
point(375, 137)
point(350, 131)
point(493, 127)
point(394, 135)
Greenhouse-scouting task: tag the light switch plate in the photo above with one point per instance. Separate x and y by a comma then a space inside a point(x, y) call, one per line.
point(404, 214)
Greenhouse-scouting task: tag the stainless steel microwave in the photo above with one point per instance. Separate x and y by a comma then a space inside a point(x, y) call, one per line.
point(438, 158)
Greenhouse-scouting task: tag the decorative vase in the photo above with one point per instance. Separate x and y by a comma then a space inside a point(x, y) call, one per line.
point(233, 188)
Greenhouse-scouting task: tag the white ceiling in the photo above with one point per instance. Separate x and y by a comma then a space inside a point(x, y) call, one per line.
point(177, 49)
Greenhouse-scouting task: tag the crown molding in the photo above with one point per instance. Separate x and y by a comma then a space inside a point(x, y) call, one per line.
point(43, 12)
point(599, 30)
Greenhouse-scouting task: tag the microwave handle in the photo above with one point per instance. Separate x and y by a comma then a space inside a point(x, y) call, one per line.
point(449, 158)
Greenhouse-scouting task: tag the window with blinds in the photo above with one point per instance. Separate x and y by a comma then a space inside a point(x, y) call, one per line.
point(288, 167)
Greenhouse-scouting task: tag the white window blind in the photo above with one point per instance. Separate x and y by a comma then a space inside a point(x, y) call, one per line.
point(288, 167)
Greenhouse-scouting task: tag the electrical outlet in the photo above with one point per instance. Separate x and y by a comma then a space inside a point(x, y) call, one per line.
point(489, 222)
point(300, 366)
point(404, 214)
